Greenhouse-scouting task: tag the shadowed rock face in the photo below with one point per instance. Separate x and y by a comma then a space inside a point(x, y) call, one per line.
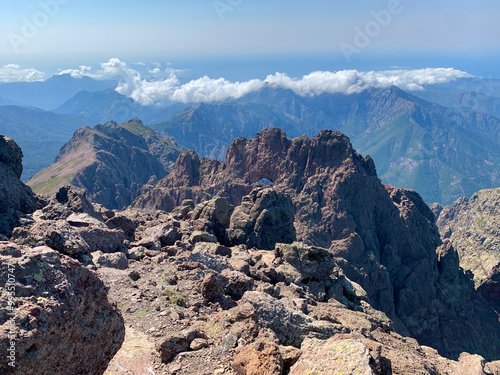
point(383, 237)
point(65, 323)
point(473, 227)
point(16, 198)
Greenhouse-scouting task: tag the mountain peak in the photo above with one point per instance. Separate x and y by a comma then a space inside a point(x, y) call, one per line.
point(124, 156)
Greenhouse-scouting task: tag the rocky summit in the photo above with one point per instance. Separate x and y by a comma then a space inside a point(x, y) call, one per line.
point(111, 162)
point(290, 258)
point(384, 238)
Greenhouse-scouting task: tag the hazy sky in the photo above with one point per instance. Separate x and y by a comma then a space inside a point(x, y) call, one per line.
point(66, 33)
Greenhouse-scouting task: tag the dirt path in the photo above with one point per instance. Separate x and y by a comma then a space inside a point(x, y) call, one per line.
point(134, 357)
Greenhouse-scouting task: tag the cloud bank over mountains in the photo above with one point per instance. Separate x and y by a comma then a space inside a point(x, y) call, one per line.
point(14, 73)
point(163, 84)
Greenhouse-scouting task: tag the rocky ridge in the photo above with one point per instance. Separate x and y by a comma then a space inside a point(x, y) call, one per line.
point(416, 144)
point(384, 238)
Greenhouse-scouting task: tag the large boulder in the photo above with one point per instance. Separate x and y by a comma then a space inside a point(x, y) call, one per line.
point(290, 325)
point(69, 200)
point(214, 215)
point(16, 199)
point(56, 313)
point(264, 218)
point(346, 356)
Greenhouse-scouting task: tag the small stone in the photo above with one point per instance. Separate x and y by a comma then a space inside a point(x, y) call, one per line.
point(137, 253)
point(83, 220)
point(199, 236)
point(198, 344)
point(174, 369)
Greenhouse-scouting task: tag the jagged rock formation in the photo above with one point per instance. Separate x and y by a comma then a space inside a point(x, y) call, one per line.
point(473, 227)
point(16, 198)
point(64, 322)
point(383, 237)
point(111, 162)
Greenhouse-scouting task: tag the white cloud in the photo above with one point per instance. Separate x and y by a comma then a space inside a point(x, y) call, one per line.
point(15, 73)
point(207, 89)
point(167, 87)
point(77, 73)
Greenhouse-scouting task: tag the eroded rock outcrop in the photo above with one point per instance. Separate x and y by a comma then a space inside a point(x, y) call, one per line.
point(383, 237)
point(16, 199)
point(64, 322)
point(473, 227)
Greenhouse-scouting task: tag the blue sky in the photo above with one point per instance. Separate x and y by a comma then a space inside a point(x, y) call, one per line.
point(261, 34)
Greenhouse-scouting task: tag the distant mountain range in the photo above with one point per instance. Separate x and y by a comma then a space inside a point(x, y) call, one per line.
point(39, 133)
point(52, 92)
point(24, 114)
point(474, 100)
point(107, 105)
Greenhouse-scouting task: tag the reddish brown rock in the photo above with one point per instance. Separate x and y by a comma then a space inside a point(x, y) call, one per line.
point(64, 321)
point(384, 238)
point(259, 358)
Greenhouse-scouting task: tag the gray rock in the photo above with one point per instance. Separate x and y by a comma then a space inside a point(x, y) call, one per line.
point(114, 260)
point(346, 356)
point(264, 218)
point(158, 236)
point(215, 215)
point(56, 234)
point(121, 221)
point(176, 343)
point(136, 253)
point(230, 341)
point(103, 239)
point(291, 326)
point(314, 269)
point(83, 220)
point(237, 283)
point(199, 236)
point(66, 201)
